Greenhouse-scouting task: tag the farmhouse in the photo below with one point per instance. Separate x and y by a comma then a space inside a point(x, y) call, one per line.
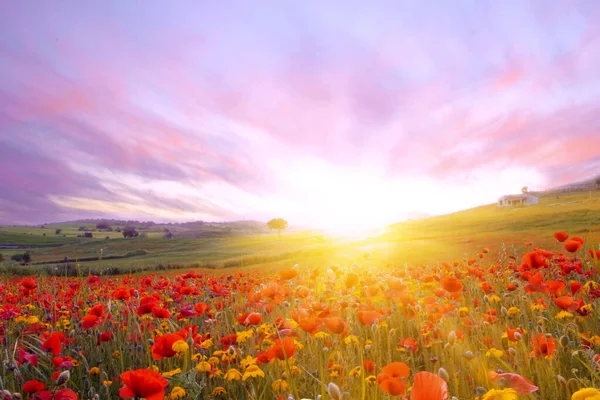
point(512, 200)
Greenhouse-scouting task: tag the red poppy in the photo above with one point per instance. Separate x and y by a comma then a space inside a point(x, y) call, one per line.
point(143, 383)
point(369, 318)
point(542, 346)
point(428, 386)
point(520, 384)
point(54, 343)
point(163, 346)
point(561, 236)
point(573, 246)
point(282, 349)
point(566, 303)
point(161, 313)
point(534, 260)
point(392, 378)
point(369, 366)
point(451, 284)
point(33, 386)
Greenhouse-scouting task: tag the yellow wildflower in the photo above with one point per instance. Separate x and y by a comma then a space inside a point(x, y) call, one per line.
point(248, 361)
point(586, 394)
point(172, 372)
point(243, 336)
point(180, 346)
point(253, 371)
point(177, 393)
point(371, 379)
point(463, 311)
point(494, 353)
point(321, 335)
point(203, 367)
point(94, 371)
point(107, 383)
point(218, 391)
point(233, 375)
point(354, 371)
point(351, 339)
point(504, 394)
point(513, 311)
point(563, 314)
point(494, 299)
point(116, 354)
point(280, 386)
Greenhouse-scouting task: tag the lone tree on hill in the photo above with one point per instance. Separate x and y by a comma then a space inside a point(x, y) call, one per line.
point(278, 224)
point(130, 231)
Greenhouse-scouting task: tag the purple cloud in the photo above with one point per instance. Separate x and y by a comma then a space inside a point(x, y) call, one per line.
point(206, 110)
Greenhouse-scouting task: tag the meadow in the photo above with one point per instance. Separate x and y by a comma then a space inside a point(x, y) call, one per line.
point(488, 304)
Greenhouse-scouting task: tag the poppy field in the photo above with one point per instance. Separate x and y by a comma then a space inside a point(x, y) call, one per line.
point(489, 326)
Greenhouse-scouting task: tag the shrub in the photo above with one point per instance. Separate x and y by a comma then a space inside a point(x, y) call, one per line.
point(58, 231)
point(88, 235)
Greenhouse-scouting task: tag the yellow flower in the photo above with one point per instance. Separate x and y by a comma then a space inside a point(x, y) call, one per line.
point(32, 320)
point(214, 361)
point(563, 314)
point(264, 329)
point(243, 336)
point(371, 379)
point(94, 371)
point(513, 311)
point(354, 371)
point(107, 383)
point(280, 386)
point(351, 339)
point(218, 391)
point(495, 353)
point(295, 370)
point(180, 346)
point(494, 299)
point(253, 371)
point(321, 335)
point(116, 354)
point(233, 375)
point(172, 372)
point(177, 393)
point(203, 367)
point(504, 394)
point(463, 311)
point(248, 361)
point(586, 394)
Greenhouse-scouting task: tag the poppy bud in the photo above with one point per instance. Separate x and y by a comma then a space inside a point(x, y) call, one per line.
point(561, 380)
point(480, 391)
point(91, 392)
point(334, 391)
point(469, 355)
point(443, 374)
point(452, 337)
point(564, 341)
point(17, 396)
point(486, 298)
point(512, 351)
point(540, 329)
point(63, 378)
point(548, 335)
point(5, 395)
point(504, 311)
point(518, 335)
point(325, 349)
point(151, 342)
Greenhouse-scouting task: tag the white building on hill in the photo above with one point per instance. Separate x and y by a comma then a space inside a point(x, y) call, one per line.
point(512, 200)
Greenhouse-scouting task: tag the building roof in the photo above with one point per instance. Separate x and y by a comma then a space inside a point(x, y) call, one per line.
point(517, 196)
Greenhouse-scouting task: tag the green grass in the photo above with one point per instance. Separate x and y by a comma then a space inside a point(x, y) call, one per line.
point(446, 237)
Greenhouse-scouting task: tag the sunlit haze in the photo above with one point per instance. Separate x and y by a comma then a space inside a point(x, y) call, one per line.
point(352, 116)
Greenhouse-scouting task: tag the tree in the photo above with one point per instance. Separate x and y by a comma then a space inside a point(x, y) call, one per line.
point(278, 224)
point(130, 231)
point(58, 231)
point(524, 189)
point(88, 235)
point(102, 225)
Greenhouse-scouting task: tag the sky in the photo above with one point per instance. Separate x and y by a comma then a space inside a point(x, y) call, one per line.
point(326, 113)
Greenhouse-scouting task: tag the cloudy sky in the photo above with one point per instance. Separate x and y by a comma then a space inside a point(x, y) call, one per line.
point(323, 112)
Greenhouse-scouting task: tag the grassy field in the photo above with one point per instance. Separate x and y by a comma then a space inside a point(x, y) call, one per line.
point(446, 237)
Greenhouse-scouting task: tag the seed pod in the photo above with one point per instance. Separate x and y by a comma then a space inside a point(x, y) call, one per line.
point(564, 341)
point(452, 337)
point(469, 355)
point(63, 378)
point(334, 391)
point(443, 374)
point(512, 351)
